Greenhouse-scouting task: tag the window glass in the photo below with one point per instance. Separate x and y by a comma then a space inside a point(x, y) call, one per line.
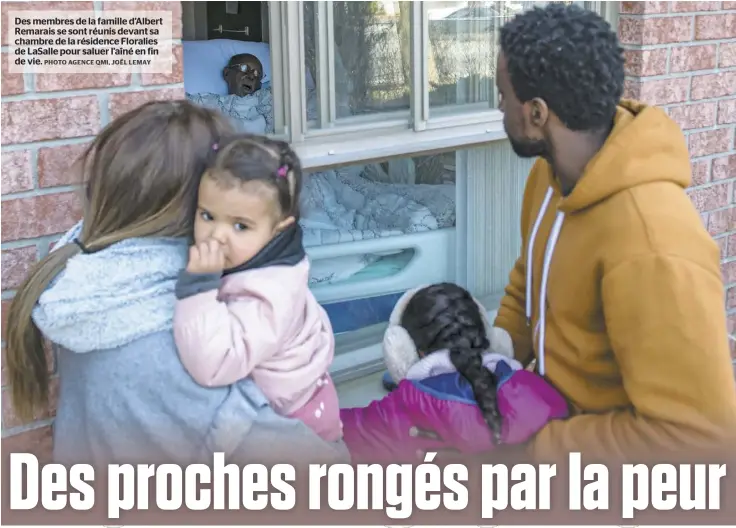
point(461, 58)
point(357, 60)
point(229, 64)
point(375, 229)
point(463, 49)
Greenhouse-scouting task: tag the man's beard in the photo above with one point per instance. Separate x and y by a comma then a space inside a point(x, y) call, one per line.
point(526, 148)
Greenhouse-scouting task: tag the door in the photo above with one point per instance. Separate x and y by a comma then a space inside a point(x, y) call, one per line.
point(235, 21)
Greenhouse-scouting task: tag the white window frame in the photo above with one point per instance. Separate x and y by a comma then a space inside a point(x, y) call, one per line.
point(395, 134)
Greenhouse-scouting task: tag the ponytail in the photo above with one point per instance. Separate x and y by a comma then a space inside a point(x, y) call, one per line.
point(25, 357)
point(129, 193)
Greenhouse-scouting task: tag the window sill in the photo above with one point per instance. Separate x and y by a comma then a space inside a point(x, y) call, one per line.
point(375, 145)
point(361, 391)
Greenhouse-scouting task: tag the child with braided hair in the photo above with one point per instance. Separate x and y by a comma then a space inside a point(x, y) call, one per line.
point(456, 377)
point(244, 307)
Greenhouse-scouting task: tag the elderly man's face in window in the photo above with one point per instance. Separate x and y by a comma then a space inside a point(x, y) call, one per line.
point(243, 74)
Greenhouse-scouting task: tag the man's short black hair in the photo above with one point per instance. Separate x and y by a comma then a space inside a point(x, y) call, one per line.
point(569, 57)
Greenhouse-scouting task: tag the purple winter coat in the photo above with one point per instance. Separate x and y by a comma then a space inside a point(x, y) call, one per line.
point(445, 404)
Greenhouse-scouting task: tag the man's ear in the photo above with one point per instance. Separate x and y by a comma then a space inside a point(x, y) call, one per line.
point(225, 71)
point(538, 112)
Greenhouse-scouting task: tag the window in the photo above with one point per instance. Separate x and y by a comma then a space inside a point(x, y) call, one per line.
point(359, 67)
point(391, 107)
point(372, 231)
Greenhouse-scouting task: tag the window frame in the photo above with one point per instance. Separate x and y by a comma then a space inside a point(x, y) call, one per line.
point(350, 140)
point(382, 136)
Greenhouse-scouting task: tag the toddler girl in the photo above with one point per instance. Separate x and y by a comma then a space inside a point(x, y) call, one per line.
point(452, 380)
point(244, 308)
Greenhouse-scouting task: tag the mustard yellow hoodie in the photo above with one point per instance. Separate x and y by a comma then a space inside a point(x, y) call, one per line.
point(634, 328)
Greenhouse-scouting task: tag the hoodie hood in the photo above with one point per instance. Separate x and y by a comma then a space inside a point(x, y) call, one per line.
point(645, 146)
point(111, 297)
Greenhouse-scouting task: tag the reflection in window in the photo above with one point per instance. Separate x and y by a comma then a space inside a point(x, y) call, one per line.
point(464, 46)
point(375, 201)
point(365, 48)
point(463, 41)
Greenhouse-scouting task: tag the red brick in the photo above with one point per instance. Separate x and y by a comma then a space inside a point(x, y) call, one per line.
point(711, 27)
point(699, 115)
point(701, 172)
point(56, 82)
point(727, 111)
point(10, 419)
point(731, 298)
point(119, 103)
point(12, 82)
point(704, 219)
point(709, 198)
point(658, 92)
point(640, 8)
point(655, 30)
point(16, 263)
point(681, 7)
point(40, 215)
point(41, 119)
point(16, 171)
point(37, 441)
point(710, 142)
point(646, 62)
point(713, 85)
point(729, 5)
point(722, 246)
point(724, 168)
point(722, 221)
point(174, 7)
point(729, 275)
point(692, 58)
point(55, 165)
point(727, 55)
point(176, 75)
point(6, 7)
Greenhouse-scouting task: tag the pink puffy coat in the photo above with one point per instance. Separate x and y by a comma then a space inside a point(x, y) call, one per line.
point(264, 323)
point(445, 405)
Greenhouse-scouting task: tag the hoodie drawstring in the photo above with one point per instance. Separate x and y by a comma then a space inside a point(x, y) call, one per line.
point(549, 251)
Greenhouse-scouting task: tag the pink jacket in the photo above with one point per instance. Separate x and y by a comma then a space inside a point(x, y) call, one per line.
point(443, 402)
point(263, 323)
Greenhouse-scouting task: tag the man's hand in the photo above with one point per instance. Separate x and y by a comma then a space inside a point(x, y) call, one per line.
point(206, 257)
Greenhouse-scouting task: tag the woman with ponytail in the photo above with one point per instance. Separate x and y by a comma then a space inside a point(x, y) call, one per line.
point(105, 298)
point(456, 377)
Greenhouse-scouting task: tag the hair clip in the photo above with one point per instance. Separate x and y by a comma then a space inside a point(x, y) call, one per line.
point(283, 170)
point(215, 146)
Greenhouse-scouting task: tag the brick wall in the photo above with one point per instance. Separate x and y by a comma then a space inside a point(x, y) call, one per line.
point(682, 56)
point(46, 121)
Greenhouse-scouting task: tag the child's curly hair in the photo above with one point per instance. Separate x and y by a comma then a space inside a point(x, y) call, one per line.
point(248, 157)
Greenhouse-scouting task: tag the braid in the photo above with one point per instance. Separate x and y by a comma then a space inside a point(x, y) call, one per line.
point(445, 316)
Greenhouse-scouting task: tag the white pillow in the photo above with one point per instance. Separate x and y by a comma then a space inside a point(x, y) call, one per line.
point(204, 61)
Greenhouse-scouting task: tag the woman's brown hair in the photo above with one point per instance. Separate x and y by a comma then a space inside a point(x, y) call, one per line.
point(141, 175)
